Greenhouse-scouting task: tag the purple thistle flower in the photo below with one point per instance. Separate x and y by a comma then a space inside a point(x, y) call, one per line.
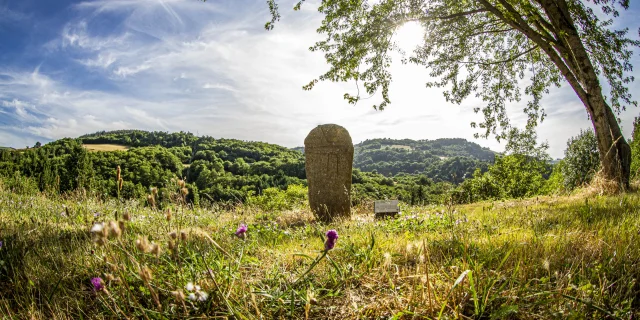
point(1, 243)
point(332, 237)
point(240, 232)
point(97, 283)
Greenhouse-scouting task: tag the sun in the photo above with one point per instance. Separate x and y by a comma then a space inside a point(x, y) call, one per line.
point(409, 35)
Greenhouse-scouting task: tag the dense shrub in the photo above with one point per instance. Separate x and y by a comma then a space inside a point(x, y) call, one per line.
point(635, 149)
point(479, 187)
point(518, 176)
point(581, 160)
point(274, 199)
point(512, 176)
point(555, 183)
point(20, 184)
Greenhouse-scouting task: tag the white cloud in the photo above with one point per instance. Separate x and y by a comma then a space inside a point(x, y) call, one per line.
point(211, 68)
point(101, 61)
point(127, 71)
point(218, 86)
point(19, 106)
point(77, 35)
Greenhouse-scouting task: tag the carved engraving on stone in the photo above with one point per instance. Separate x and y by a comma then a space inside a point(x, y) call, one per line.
point(328, 164)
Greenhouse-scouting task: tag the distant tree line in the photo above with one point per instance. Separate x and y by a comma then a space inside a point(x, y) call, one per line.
point(451, 160)
point(214, 169)
point(229, 170)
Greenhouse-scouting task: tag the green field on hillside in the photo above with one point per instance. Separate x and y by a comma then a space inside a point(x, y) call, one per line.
point(105, 147)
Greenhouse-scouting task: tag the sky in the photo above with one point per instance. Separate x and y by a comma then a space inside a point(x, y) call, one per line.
point(69, 68)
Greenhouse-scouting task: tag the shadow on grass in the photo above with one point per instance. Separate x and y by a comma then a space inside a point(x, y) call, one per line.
point(43, 267)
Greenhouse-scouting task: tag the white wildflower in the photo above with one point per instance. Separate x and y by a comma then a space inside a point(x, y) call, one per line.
point(97, 228)
point(202, 296)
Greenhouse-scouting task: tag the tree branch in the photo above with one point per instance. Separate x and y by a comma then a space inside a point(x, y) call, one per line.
point(445, 40)
point(559, 42)
point(565, 52)
point(561, 18)
point(510, 59)
point(544, 45)
point(490, 31)
point(543, 22)
point(462, 14)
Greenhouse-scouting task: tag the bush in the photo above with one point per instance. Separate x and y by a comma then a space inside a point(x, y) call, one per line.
point(581, 160)
point(555, 183)
point(480, 187)
point(512, 176)
point(274, 199)
point(517, 175)
point(21, 184)
point(635, 149)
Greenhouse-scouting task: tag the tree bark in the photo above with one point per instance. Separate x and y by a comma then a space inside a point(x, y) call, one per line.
point(615, 152)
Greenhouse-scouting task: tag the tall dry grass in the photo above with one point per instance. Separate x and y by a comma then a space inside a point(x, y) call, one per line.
point(551, 257)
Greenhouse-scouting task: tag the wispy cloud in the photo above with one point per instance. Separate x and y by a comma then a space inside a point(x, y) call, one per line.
point(211, 68)
point(77, 35)
point(8, 16)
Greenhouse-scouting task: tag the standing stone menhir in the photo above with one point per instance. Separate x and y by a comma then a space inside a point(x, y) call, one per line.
point(329, 157)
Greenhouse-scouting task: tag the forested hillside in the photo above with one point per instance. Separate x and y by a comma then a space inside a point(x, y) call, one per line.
point(450, 160)
point(231, 170)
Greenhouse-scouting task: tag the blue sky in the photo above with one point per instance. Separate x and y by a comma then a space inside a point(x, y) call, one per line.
point(73, 67)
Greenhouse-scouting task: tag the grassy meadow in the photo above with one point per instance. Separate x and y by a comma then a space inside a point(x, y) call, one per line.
point(542, 258)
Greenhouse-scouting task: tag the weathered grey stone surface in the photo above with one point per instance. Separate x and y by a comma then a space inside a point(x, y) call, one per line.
point(386, 208)
point(329, 159)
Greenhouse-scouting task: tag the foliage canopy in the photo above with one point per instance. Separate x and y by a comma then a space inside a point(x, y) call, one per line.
point(492, 48)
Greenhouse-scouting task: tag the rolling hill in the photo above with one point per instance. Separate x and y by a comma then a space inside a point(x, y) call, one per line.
point(232, 170)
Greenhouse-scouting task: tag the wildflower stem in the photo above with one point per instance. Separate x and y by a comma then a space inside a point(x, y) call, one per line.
point(115, 303)
point(107, 306)
point(313, 264)
point(335, 265)
point(217, 287)
point(215, 244)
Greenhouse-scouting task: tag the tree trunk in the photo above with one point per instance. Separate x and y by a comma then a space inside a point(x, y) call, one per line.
point(576, 66)
point(560, 40)
point(615, 152)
